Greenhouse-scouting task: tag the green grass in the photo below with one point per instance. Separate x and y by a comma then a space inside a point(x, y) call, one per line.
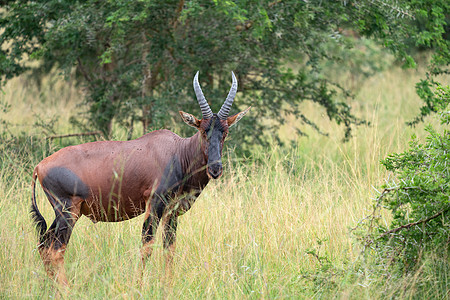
point(276, 226)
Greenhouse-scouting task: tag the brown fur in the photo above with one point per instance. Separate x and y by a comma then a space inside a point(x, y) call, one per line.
point(121, 175)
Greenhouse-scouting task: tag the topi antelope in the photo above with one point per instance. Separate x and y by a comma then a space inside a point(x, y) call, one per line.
point(159, 174)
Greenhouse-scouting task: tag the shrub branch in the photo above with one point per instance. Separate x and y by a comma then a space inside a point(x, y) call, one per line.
point(406, 226)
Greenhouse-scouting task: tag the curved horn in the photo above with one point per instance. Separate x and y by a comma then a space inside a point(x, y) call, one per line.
point(226, 107)
point(206, 110)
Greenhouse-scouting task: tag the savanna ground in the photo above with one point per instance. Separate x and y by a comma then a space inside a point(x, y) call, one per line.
point(276, 225)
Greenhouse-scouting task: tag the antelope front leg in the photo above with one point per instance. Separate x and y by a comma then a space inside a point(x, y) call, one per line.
point(169, 235)
point(153, 214)
point(170, 221)
point(147, 239)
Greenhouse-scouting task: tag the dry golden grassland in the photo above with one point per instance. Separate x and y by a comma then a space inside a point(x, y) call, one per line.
point(266, 229)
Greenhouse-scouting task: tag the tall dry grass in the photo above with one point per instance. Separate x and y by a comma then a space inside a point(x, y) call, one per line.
point(33, 102)
point(268, 229)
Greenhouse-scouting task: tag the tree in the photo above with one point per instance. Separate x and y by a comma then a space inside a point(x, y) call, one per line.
point(136, 59)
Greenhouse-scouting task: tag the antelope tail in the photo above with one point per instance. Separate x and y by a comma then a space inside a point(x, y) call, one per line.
point(38, 219)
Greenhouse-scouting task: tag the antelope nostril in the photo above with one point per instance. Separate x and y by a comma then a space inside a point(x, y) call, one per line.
point(215, 171)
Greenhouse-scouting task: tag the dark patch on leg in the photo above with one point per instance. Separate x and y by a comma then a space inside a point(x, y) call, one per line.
point(169, 237)
point(170, 183)
point(61, 185)
point(148, 233)
point(170, 230)
point(171, 180)
point(152, 220)
point(59, 232)
point(66, 216)
point(147, 230)
point(55, 240)
point(62, 182)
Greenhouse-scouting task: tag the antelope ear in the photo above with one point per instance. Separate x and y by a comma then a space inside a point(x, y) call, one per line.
point(190, 119)
point(234, 119)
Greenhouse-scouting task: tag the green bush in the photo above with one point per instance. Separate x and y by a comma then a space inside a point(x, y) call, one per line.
point(418, 198)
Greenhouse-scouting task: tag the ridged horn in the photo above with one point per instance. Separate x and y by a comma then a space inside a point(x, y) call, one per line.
point(204, 106)
point(226, 107)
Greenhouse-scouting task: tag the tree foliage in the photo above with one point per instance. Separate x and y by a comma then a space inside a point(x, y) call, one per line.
point(135, 60)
